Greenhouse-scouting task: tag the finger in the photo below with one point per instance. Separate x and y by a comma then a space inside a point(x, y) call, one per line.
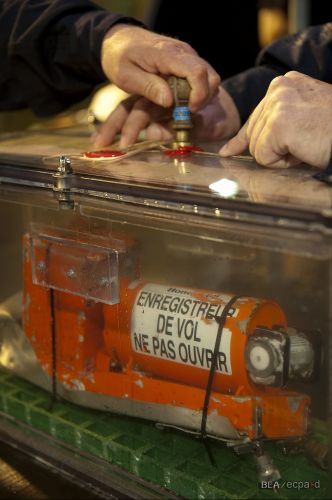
point(202, 78)
point(160, 131)
point(287, 161)
point(255, 133)
point(207, 126)
point(141, 115)
point(197, 82)
point(214, 81)
point(136, 80)
point(137, 120)
point(255, 116)
point(270, 153)
point(237, 145)
point(256, 123)
point(113, 124)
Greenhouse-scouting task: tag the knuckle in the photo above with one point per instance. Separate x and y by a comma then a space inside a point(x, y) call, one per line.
point(263, 152)
point(282, 113)
point(281, 98)
point(293, 74)
point(261, 156)
point(276, 82)
point(199, 71)
point(172, 45)
point(280, 82)
point(184, 46)
point(120, 78)
point(278, 106)
point(163, 44)
point(215, 81)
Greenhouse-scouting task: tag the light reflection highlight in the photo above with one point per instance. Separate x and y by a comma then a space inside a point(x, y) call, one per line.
point(225, 188)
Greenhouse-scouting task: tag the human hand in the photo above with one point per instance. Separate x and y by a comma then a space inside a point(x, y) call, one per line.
point(216, 120)
point(136, 60)
point(292, 124)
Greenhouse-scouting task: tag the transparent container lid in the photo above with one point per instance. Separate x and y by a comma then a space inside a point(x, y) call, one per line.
point(151, 171)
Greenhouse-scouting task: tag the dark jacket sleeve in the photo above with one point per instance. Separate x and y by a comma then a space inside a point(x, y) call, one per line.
point(309, 52)
point(50, 52)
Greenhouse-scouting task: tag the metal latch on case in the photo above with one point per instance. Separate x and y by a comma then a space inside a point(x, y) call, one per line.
point(63, 179)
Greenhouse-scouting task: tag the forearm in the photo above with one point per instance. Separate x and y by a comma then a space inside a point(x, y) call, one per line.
point(308, 52)
point(50, 52)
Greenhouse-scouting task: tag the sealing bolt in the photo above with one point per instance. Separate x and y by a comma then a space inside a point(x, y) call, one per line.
point(182, 123)
point(71, 273)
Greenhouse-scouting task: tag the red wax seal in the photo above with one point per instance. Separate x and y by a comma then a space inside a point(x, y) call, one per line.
point(103, 153)
point(182, 151)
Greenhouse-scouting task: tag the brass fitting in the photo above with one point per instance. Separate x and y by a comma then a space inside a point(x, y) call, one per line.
point(182, 123)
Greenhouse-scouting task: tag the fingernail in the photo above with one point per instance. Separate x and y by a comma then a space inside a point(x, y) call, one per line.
point(155, 131)
point(224, 151)
point(96, 138)
point(93, 136)
point(196, 103)
point(123, 142)
point(162, 100)
point(98, 141)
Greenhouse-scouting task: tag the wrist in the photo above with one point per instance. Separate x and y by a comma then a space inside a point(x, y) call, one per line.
point(115, 38)
point(116, 28)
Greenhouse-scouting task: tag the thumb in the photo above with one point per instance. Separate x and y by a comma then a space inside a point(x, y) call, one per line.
point(151, 86)
point(237, 144)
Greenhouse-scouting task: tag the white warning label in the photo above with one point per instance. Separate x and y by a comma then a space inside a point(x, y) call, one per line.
point(181, 326)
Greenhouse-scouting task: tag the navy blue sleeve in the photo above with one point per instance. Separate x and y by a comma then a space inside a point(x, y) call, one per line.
point(309, 52)
point(50, 52)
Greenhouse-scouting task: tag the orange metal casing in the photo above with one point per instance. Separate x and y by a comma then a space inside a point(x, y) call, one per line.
point(251, 313)
point(94, 354)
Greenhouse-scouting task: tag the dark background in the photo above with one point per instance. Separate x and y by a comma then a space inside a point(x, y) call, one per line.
point(224, 32)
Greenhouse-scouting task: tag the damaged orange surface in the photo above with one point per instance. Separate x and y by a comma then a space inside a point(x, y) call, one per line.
point(94, 353)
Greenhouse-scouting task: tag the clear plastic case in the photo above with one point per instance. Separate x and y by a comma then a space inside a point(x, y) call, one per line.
point(190, 291)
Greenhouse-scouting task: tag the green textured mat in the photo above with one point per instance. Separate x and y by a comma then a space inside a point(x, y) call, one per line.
point(168, 458)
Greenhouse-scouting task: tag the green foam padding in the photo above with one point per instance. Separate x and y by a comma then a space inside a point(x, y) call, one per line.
point(171, 459)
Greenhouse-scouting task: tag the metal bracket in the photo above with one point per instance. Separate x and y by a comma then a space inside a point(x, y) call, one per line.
point(267, 471)
point(63, 179)
point(258, 414)
point(80, 269)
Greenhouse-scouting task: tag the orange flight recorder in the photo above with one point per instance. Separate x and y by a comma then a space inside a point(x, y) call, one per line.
point(204, 361)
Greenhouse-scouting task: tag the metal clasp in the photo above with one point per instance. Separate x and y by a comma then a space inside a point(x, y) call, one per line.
point(63, 179)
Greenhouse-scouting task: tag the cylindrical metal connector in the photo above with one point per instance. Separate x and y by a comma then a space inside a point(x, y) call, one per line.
point(182, 123)
point(274, 356)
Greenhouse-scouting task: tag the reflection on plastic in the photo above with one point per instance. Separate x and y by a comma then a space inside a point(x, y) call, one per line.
point(80, 269)
point(225, 188)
